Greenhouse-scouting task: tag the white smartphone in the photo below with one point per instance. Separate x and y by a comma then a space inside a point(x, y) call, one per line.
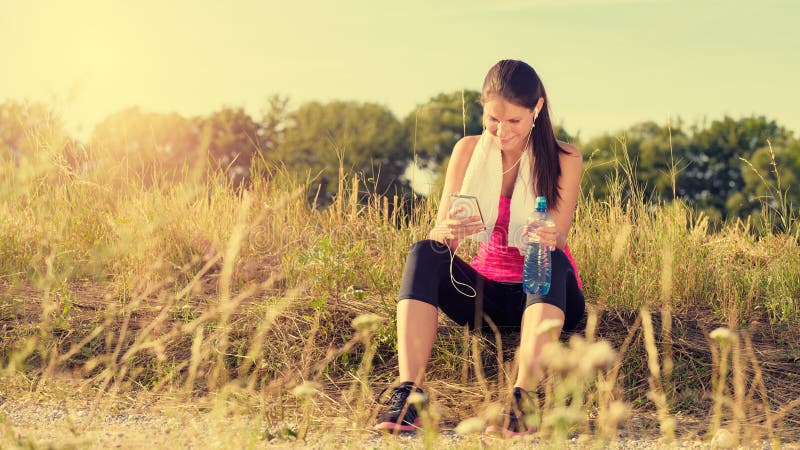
point(469, 205)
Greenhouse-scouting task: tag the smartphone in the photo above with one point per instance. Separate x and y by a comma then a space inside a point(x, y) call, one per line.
point(469, 205)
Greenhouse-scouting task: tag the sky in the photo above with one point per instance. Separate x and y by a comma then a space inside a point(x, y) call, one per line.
point(606, 64)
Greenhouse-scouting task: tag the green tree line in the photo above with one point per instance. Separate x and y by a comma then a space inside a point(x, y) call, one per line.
point(727, 168)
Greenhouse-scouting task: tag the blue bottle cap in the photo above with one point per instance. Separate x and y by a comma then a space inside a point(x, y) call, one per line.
point(541, 204)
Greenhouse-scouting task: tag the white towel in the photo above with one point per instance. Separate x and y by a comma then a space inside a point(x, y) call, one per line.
point(484, 178)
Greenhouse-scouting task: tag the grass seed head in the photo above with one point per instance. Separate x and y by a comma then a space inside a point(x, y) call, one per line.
point(367, 323)
point(548, 325)
point(556, 357)
point(723, 439)
point(493, 413)
point(305, 390)
point(668, 426)
point(471, 425)
point(598, 356)
point(417, 398)
point(721, 334)
point(618, 412)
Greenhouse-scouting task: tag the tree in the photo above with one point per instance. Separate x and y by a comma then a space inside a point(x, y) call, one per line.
point(366, 136)
point(231, 139)
point(27, 128)
point(771, 177)
point(436, 125)
point(714, 172)
point(274, 121)
point(152, 144)
point(652, 152)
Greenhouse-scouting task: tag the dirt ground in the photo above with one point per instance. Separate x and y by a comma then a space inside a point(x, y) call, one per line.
point(38, 422)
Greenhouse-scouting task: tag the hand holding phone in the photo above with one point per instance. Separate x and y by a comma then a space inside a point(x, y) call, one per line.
point(463, 206)
point(464, 217)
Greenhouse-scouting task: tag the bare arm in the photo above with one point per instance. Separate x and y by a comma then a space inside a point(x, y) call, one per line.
point(569, 184)
point(447, 229)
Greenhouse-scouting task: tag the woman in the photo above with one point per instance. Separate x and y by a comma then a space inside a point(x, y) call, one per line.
point(515, 159)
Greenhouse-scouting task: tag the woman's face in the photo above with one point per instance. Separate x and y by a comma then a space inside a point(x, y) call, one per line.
point(509, 124)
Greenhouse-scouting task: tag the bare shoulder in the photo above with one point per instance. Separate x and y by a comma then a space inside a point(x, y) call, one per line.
point(462, 152)
point(572, 157)
point(466, 145)
point(459, 161)
point(569, 148)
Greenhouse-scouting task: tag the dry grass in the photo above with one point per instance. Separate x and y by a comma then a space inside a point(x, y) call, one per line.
point(241, 303)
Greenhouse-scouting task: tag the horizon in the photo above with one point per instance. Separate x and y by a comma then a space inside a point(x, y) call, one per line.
point(649, 60)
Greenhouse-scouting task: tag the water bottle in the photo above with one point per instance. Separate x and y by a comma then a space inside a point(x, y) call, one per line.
point(538, 267)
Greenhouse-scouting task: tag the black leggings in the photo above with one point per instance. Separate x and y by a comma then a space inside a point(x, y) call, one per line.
point(426, 277)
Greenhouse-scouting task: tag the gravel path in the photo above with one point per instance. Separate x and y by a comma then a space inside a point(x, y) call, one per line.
point(53, 424)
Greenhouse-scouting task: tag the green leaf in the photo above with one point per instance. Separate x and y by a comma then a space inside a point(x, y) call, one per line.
point(318, 303)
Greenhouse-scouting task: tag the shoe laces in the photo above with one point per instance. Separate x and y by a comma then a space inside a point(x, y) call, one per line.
point(397, 401)
point(399, 397)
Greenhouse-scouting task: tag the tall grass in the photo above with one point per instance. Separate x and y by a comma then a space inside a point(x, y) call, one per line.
point(248, 299)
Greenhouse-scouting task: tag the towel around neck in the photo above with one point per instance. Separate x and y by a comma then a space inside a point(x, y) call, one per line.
point(484, 179)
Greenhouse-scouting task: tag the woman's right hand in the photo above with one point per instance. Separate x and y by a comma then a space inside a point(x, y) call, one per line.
point(456, 226)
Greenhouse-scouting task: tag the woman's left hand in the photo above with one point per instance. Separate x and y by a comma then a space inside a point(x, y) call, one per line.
point(548, 235)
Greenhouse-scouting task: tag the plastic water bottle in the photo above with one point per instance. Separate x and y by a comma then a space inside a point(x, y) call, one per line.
point(538, 267)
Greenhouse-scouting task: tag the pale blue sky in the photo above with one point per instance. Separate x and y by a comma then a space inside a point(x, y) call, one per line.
point(607, 64)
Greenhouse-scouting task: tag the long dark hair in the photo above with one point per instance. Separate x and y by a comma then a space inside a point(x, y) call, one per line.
point(517, 83)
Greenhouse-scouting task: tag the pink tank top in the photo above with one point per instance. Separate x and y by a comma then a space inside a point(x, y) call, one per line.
point(496, 260)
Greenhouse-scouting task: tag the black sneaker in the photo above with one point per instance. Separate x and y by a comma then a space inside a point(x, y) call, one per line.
point(521, 405)
point(400, 415)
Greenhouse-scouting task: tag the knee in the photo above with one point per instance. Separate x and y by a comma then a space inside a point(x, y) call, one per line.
point(575, 316)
